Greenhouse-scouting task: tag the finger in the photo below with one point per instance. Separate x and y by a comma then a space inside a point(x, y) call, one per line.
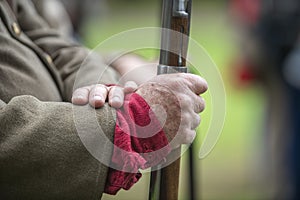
point(195, 122)
point(98, 95)
point(189, 136)
point(184, 136)
point(81, 96)
point(196, 83)
point(191, 101)
point(199, 104)
point(185, 100)
point(116, 97)
point(130, 86)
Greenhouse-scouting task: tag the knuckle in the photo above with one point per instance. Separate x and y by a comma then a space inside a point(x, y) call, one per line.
point(188, 114)
point(184, 100)
point(196, 121)
point(188, 104)
point(199, 104)
point(185, 120)
point(189, 136)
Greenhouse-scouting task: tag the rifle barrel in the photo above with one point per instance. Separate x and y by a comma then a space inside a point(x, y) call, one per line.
point(164, 184)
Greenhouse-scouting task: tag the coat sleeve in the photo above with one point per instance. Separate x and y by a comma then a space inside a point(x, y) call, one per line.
point(43, 155)
point(73, 61)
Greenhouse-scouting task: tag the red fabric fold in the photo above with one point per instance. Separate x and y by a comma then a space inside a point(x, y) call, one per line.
point(139, 143)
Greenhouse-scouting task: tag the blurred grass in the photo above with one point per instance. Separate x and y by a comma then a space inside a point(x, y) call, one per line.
point(233, 169)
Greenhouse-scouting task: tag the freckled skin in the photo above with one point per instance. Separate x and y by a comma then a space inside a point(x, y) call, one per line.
point(153, 94)
point(178, 94)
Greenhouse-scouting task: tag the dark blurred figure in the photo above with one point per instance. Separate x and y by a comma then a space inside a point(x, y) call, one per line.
point(271, 55)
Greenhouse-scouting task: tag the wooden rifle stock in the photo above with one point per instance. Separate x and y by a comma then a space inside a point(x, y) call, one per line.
point(164, 183)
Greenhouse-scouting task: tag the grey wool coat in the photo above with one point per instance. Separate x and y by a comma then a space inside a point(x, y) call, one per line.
point(42, 155)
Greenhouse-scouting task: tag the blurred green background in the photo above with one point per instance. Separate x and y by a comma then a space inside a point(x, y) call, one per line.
point(234, 169)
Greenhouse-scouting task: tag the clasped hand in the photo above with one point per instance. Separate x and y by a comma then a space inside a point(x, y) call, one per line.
point(178, 95)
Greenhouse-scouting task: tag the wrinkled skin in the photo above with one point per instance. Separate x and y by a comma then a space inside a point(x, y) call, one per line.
point(178, 94)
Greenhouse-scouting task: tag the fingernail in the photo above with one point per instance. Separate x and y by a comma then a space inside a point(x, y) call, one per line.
point(97, 98)
point(116, 99)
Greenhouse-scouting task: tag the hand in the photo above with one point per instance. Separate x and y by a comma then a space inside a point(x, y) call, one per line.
point(96, 95)
point(178, 94)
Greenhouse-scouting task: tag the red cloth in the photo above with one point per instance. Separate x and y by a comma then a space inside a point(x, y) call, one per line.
point(141, 144)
